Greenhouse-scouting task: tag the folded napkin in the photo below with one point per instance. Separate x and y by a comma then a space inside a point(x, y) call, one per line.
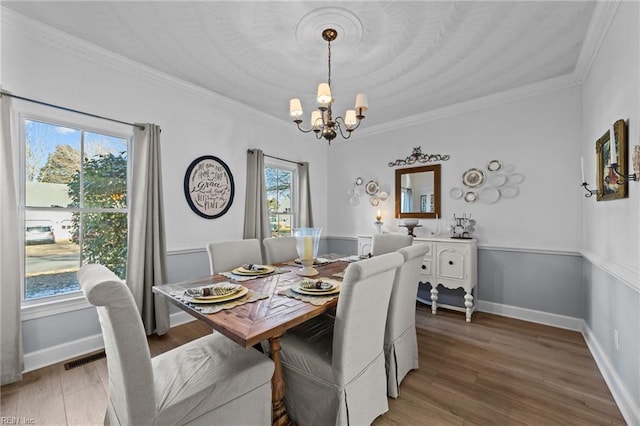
point(220, 289)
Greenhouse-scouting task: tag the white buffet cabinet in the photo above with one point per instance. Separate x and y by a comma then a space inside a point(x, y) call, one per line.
point(451, 263)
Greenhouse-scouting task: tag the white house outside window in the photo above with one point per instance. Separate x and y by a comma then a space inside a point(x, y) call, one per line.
point(74, 204)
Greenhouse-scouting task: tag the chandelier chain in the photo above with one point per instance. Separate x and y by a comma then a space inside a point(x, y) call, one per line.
point(329, 62)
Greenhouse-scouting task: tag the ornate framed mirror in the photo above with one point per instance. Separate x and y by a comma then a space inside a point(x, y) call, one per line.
point(418, 192)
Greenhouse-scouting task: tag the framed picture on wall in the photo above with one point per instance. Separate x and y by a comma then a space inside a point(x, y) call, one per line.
point(611, 156)
point(423, 203)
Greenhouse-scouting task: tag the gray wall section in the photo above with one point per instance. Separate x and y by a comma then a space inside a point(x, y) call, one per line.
point(558, 284)
point(542, 282)
point(46, 332)
point(611, 305)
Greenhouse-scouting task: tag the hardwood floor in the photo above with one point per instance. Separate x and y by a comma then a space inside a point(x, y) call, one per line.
point(493, 371)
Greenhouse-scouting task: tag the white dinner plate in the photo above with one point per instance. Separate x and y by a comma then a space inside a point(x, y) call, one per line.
point(296, 288)
point(456, 193)
point(489, 195)
point(509, 191)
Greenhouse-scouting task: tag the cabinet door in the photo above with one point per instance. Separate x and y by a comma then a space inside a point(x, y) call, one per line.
point(364, 246)
point(452, 262)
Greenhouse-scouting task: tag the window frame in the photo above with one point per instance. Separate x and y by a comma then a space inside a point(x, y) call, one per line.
point(275, 163)
point(23, 111)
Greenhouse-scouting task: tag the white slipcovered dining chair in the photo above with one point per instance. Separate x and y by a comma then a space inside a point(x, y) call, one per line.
point(400, 339)
point(387, 243)
point(280, 249)
point(210, 380)
point(334, 366)
point(227, 255)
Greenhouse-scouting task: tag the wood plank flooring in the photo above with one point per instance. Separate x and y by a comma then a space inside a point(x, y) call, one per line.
point(493, 371)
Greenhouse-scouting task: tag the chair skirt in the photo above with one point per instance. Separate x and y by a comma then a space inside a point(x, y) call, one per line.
point(401, 357)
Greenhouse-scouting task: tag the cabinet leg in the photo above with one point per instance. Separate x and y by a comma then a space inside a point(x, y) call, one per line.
point(468, 303)
point(434, 300)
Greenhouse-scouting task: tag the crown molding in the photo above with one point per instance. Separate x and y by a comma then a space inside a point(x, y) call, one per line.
point(603, 15)
point(56, 39)
point(534, 89)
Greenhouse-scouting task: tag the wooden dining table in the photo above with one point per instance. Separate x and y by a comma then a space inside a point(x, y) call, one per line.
point(266, 319)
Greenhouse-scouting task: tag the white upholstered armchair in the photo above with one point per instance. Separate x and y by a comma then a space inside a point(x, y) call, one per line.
point(210, 380)
point(334, 367)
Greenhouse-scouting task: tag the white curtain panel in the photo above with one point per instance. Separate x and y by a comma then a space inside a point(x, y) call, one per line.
point(11, 356)
point(147, 252)
point(305, 216)
point(256, 211)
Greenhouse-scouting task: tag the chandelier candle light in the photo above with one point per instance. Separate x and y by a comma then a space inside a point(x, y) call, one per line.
point(307, 241)
point(322, 122)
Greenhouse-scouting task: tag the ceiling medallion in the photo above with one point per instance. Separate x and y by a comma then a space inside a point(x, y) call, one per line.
point(323, 124)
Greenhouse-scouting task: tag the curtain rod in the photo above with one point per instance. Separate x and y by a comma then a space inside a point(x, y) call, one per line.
point(2, 92)
point(278, 158)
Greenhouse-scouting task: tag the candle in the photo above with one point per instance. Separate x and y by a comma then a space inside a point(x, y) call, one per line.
point(378, 216)
point(307, 248)
point(582, 168)
point(613, 155)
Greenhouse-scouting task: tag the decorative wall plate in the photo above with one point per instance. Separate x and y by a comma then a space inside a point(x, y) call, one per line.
point(374, 201)
point(516, 178)
point(508, 168)
point(471, 197)
point(489, 195)
point(372, 187)
point(354, 201)
point(359, 191)
point(473, 178)
point(208, 187)
point(383, 196)
point(494, 165)
point(456, 193)
point(359, 181)
point(497, 180)
point(509, 191)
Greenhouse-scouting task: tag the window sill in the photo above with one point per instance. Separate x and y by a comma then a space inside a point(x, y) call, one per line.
point(43, 308)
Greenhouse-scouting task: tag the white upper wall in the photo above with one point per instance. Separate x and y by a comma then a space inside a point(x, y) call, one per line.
point(539, 135)
point(58, 69)
point(611, 91)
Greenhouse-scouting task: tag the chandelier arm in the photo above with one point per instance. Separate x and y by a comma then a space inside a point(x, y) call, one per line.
point(337, 125)
point(300, 128)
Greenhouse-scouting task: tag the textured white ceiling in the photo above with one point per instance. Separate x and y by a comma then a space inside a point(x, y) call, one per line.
point(408, 57)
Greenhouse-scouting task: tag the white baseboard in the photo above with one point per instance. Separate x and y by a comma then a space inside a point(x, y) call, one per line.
point(629, 407)
point(66, 351)
point(555, 320)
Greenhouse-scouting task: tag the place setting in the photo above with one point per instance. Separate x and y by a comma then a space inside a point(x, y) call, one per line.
point(224, 295)
point(251, 271)
point(314, 291)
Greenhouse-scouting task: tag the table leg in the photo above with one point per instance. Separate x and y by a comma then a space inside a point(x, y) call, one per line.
point(468, 302)
point(280, 416)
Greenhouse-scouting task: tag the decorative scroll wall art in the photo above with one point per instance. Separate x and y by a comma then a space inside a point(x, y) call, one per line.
point(209, 187)
point(418, 157)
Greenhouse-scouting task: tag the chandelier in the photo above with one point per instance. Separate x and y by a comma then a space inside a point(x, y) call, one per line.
point(322, 122)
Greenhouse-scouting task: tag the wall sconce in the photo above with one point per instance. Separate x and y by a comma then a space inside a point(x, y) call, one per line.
point(584, 183)
point(635, 176)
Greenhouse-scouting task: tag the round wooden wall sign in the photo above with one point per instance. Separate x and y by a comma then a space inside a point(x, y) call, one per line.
point(209, 187)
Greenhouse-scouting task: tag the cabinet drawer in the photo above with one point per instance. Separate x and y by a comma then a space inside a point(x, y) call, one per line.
point(425, 268)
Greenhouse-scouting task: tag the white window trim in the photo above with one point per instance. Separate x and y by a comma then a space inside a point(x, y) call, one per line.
point(23, 110)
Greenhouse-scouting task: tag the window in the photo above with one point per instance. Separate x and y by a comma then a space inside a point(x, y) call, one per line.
point(280, 179)
point(74, 204)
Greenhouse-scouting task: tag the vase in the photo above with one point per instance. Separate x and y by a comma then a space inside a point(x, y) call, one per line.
point(307, 242)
